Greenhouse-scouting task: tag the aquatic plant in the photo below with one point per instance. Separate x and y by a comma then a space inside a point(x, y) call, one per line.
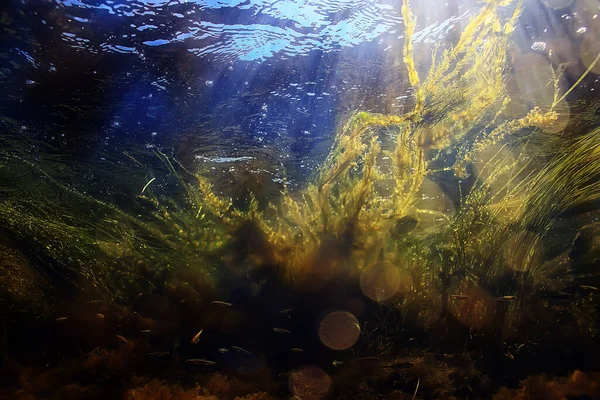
point(374, 209)
point(577, 384)
point(478, 256)
point(106, 250)
point(379, 166)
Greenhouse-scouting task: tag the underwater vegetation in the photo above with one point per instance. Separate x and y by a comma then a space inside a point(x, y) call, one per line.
point(577, 384)
point(467, 226)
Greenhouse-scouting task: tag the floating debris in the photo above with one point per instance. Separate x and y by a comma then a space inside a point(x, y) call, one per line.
point(200, 361)
point(416, 389)
point(281, 330)
point(196, 337)
point(222, 303)
point(337, 363)
point(122, 339)
point(236, 348)
point(147, 184)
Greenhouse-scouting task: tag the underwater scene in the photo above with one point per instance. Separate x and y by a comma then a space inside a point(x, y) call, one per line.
point(300, 199)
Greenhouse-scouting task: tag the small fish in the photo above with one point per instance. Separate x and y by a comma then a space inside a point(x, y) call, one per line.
point(587, 287)
point(158, 354)
point(122, 339)
point(281, 330)
point(296, 350)
point(146, 331)
point(200, 361)
point(223, 350)
point(236, 348)
point(460, 296)
point(60, 319)
point(506, 298)
point(286, 311)
point(337, 363)
point(222, 303)
point(100, 316)
point(196, 337)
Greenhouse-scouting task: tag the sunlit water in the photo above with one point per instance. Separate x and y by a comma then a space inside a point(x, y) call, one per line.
point(273, 75)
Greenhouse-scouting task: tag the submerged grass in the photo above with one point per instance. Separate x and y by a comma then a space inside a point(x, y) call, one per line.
point(477, 257)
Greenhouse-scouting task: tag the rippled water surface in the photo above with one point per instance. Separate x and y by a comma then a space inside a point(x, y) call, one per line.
point(271, 75)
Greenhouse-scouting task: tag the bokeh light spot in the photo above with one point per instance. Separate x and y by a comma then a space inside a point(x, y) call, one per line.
point(309, 383)
point(339, 330)
point(534, 76)
point(557, 4)
point(380, 282)
point(589, 50)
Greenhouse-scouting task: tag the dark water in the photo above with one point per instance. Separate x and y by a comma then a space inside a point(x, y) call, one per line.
point(251, 94)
